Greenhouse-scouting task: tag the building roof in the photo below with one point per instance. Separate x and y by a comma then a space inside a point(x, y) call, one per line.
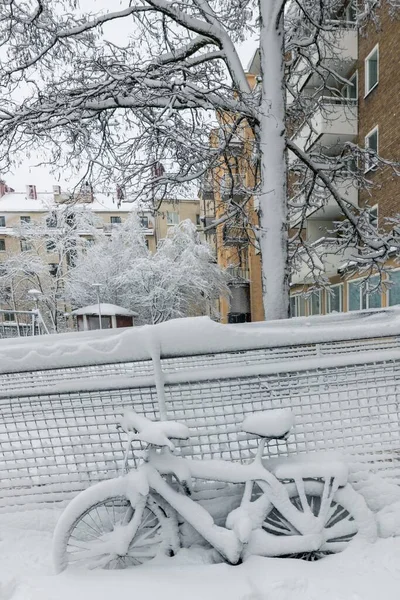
point(19, 202)
point(106, 310)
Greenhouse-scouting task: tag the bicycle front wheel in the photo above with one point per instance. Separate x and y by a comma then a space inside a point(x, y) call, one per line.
point(89, 537)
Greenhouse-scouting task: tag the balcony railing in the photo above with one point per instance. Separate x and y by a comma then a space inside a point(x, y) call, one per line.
point(234, 234)
point(232, 187)
point(334, 122)
point(324, 256)
point(207, 190)
point(338, 51)
point(238, 275)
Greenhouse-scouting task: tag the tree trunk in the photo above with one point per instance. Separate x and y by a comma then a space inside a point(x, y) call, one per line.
point(273, 209)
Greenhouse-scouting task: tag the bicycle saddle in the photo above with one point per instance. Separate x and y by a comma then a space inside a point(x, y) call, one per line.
point(157, 433)
point(271, 424)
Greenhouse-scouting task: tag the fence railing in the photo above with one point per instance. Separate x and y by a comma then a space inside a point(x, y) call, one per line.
point(58, 429)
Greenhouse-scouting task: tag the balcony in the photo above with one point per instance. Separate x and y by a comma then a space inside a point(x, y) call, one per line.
point(324, 206)
point(234, 234)
point(207, 190)
point(232, 188)
point(238, 276)
point(334, 122)
point(338, 52)
point(327, 257)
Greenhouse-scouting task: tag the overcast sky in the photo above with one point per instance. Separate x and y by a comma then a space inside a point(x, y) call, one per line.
point(27, 173)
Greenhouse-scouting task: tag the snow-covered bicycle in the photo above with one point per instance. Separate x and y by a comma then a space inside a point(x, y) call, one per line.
point(300, 507)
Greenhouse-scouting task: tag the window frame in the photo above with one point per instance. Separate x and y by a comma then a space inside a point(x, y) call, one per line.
point(370, 164)
point(360, 293)
point(115, 220)
point(328, 298)
point(298, 298)
point(388, 288)
point(2, 220)
point(368, 89)
point(346, 87)
point(25, 219)
point(3, 243)
point(24, 242)
point(173, 212)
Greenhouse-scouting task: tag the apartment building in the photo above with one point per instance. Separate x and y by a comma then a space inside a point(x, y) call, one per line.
point(368, 115)
point(366, 111)
point(234, 242)
point(32, 206)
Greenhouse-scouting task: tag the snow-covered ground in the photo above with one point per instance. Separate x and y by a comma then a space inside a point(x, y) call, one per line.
point(366, 573)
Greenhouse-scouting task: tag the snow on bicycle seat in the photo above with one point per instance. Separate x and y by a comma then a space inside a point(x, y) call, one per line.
point(273, 424)
point(158, 433)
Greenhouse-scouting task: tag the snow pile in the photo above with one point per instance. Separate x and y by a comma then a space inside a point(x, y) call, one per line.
point(188, 337)
point(364, 573)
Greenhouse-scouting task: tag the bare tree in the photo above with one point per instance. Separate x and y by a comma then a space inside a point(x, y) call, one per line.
point(121, 109)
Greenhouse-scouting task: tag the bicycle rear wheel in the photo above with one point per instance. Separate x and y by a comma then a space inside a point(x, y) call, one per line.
point(90, 537)
point(346, 517)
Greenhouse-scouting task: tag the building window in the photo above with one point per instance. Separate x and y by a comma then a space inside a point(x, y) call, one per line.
point(53, 269)
point(115, 220)
point(172, 218)
point(364, 295)
point(351, 12)
point(198, 220)
point(50, 246)
point(25, 245)
point(144, 222)
point(2, 245)
point(8, 317)
point(2, 221)
point(371, 143)
point(373, 216)
point(297, 306)
point(314, 303)
point(372, 70)
point(24, 219)
point(394, 289)
point(350, 90)
point(51, 220)
point(334, 298)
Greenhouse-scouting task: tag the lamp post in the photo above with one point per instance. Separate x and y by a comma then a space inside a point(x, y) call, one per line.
point(35, 294)
point(97, 287)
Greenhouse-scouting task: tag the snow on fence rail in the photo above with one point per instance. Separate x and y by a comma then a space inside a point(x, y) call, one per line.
point(58, 425)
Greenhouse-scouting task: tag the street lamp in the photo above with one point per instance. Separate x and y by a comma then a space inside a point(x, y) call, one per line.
point(35, 294)
point(97, 287)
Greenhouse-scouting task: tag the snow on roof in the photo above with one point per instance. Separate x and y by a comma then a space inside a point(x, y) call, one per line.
point(190, 336)
point(19, 202)
point(106, 310)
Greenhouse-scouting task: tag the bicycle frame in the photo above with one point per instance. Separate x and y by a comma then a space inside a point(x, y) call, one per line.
point(246, 525)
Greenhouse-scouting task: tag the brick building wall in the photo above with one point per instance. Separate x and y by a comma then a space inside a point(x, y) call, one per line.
point(381, 107)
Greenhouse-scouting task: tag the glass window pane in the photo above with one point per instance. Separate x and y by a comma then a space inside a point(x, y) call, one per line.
point(2, 221)
point(354, 296)
point(394, 290)
point(301, 306)
point(372, 70)
point(292, 306)
point(375, 298)
point(315, 304)
point(335, 298)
